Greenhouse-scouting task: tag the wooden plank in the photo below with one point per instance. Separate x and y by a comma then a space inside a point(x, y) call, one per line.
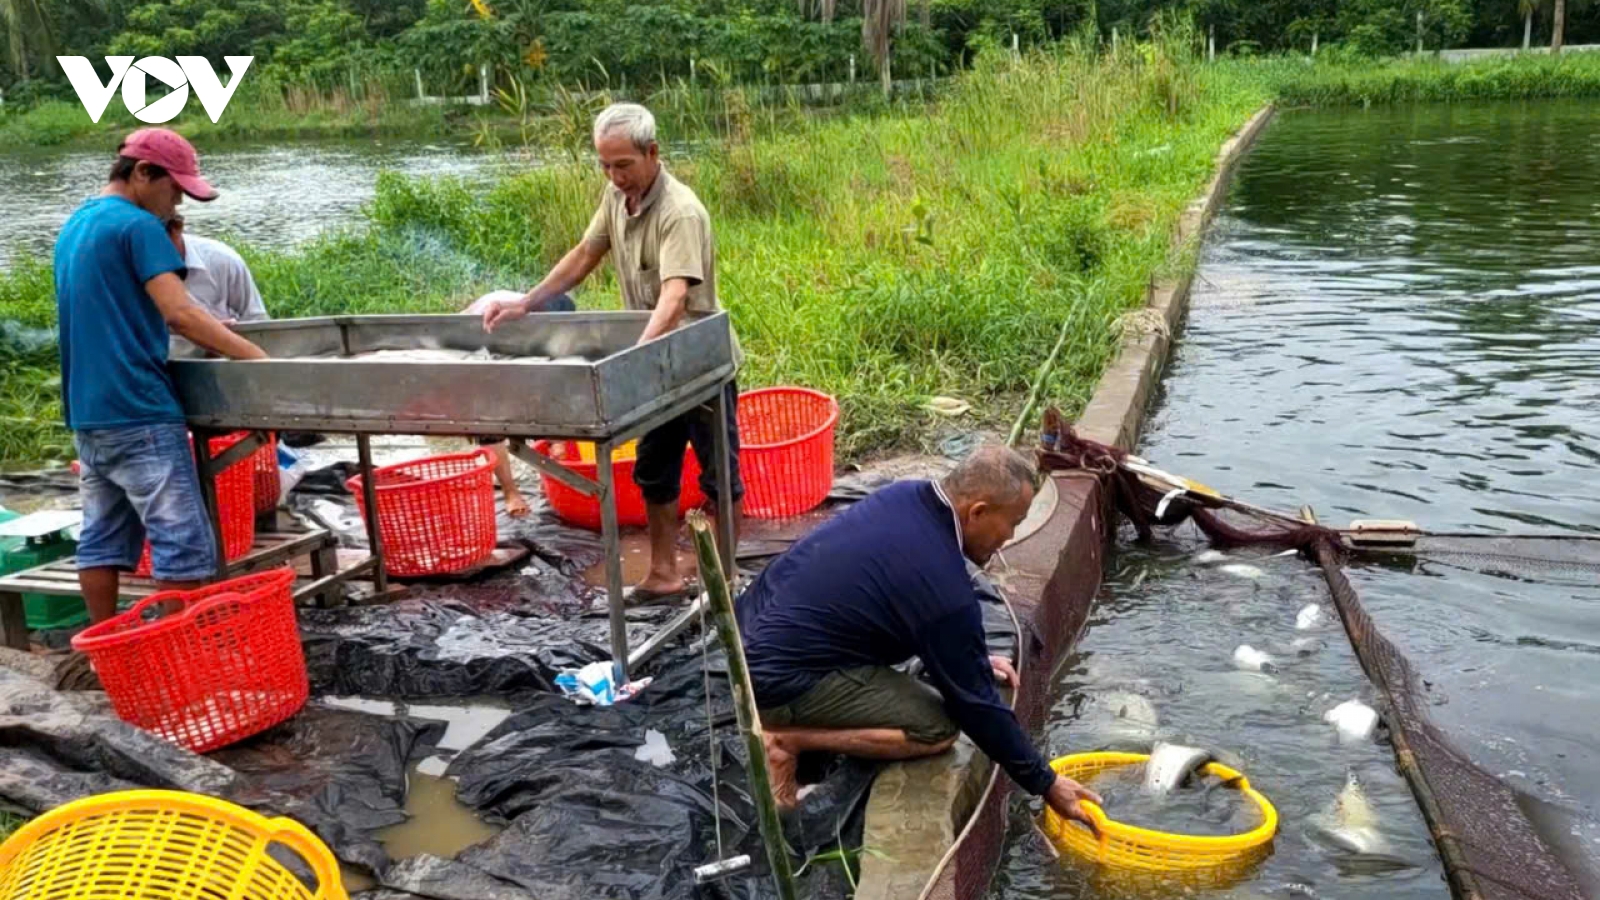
point(60, 578)
point(501, 558)
point(263, 559)
point(318, 586)
point(13, 620)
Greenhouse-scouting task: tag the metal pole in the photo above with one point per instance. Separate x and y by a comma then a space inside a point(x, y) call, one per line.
point(720, 418)
point(612, 540)
point(369, 495)
point(208, 496)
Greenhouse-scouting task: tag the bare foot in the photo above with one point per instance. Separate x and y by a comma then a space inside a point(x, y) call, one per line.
point(781, 767)
point(656, 585)
point(516, 507)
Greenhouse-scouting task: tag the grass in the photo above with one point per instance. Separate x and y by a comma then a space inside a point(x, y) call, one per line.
point(884, 253)
point(1297, 82)
point(265, 110)
point(885, 258)
point(9, 822)
point(262, 109)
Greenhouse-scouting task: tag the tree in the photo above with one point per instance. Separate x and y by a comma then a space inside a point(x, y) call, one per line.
point(1526, 8)
point(1558, 26)
point(26, 26)
point(879, 20)
point(821, 9)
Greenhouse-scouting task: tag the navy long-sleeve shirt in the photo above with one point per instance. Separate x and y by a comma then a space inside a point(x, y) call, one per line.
point(884, 581)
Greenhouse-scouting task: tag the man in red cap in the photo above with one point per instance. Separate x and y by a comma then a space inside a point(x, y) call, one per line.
point(119, 298)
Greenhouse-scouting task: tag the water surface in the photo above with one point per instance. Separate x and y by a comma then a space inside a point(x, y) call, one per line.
point(1397, 315)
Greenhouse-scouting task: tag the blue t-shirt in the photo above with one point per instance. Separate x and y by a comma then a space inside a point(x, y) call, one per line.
point(113, 338)
point(881, 582)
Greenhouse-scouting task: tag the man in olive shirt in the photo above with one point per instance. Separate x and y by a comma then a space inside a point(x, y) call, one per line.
point(659, 236)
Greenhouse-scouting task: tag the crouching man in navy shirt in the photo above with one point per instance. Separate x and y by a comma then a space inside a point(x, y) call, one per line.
point(883, 582)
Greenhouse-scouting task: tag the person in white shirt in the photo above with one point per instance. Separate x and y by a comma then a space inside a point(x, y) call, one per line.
point(218, 279)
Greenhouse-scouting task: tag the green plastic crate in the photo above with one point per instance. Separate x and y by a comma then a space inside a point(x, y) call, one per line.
point(42, 610)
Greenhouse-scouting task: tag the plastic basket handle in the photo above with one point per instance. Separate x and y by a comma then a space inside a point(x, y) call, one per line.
point(308, 847)
point(191, 608)
point(1100, 819)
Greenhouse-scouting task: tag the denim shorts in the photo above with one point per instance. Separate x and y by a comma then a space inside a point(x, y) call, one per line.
point(141, 481)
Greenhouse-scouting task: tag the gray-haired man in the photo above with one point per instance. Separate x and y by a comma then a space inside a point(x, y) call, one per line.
point(659, 236)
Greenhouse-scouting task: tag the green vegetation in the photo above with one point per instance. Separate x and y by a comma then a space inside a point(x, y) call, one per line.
point(887, 254)
point(10, 822)
point(343, 67)
point(1574, 75)
point(885, 259)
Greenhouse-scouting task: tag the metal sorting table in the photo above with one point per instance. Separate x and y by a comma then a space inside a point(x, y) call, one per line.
point(571, 376)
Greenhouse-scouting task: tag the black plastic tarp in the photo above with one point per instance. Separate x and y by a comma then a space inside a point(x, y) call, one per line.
point(586, 811)
point(587, 816)
point(340, 773)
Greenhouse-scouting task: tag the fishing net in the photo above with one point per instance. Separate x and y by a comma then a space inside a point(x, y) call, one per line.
point(1489, 847)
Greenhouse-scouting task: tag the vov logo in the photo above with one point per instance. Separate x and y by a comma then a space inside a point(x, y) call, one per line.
point(179, 77)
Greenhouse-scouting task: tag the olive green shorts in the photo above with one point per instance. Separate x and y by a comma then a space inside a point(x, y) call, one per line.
point(868, 697)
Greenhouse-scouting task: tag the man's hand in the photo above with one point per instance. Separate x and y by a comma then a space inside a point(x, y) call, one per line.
point(1004, 671)
point(1063, 797)
point(502, 311)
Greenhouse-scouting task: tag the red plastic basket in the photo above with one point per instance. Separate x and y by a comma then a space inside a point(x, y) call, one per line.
point(266, 475)
point(435, 515)
point(226, 666)
point(235, 504)
point(786, 450)
point(580, 509)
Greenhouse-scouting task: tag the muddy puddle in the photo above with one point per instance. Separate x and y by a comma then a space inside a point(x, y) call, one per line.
point(437, 823)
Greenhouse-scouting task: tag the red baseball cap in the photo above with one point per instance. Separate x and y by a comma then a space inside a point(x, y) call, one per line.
point(168, 149)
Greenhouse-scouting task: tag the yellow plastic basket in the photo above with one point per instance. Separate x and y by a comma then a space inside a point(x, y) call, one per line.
point(626, 451)
point(161, 845)
point(1210, 859)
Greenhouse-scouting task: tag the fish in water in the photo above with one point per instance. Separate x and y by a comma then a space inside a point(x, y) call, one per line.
point(1351, 824)
point(1250, 659)
point(1309, 617)
point(1207, 557)
point(1305, 646)
point(1170, 765)
point(1241, 570)
point(1132, 716)
point(1354, 720)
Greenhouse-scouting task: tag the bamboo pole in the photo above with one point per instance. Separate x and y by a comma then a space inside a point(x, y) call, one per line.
point(1040, 379)
point(744, 703)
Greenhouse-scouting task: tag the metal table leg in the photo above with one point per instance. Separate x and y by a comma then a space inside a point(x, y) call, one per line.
point(725, 524)
point(208, 496)
point(613, 547)
point(369, 495)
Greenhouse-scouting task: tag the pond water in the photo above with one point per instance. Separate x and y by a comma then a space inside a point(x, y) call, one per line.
point(273, 195)
point(1397, 315)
